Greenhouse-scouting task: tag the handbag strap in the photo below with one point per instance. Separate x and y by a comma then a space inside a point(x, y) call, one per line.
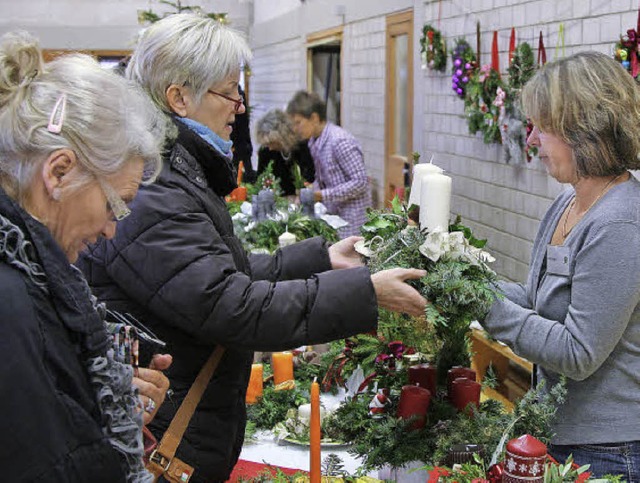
point(173, 435)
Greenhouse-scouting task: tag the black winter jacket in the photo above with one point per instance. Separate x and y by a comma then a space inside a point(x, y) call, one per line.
point(176, 264)
point(49, 418)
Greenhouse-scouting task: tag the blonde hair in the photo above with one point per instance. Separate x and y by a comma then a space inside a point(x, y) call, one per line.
point(107, 120)
point(186, 49)
point(591, 102)
point(275, 127)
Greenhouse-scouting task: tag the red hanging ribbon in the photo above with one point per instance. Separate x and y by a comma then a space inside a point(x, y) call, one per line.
point(542, 53)
point(478, 43)
point(495, 57)
point(512, 44)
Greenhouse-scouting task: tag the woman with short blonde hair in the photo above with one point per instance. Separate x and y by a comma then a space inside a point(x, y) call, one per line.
point(578, 315)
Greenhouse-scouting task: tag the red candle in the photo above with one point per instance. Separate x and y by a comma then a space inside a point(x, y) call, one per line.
point(465, 392)
point(525, 459)
point(456, 372)
point(423, 375)
point(314, 434)
point(414, 401)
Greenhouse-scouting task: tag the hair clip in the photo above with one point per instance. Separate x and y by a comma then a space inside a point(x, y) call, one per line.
point(61, 106)
point(28, 79)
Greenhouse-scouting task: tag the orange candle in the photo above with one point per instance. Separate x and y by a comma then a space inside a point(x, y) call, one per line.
point(254, 391)
point(282, 365)
point(240, 172)
point(314, 434)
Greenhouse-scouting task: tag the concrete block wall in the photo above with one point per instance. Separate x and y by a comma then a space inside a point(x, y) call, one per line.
point(363, 98)
point(502, 202)
point(275, 75)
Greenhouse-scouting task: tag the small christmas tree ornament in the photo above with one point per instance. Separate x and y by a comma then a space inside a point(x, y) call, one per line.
point(378, 405)
point(524, 460)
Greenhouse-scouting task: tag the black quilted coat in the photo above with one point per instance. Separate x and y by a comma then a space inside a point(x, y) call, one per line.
point(177, 265)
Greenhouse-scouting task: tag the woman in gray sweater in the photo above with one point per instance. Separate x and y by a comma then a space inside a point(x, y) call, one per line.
point(578, 314)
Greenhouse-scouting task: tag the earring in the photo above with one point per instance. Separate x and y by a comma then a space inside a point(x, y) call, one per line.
point(56, 193)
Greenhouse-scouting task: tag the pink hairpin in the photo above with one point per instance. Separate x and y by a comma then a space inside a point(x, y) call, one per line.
point(61, 105)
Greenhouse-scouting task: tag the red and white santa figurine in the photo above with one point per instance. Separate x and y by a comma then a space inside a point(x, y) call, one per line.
point(378, 405)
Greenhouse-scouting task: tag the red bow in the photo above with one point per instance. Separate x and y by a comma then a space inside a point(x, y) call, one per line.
point(495, 473)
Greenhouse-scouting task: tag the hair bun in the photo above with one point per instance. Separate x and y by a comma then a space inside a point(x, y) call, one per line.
point(20, 62)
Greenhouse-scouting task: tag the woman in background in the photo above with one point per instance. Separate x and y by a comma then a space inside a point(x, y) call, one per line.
point(75, 143)
point(279, 145)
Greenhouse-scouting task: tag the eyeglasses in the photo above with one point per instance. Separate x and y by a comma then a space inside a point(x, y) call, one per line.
point(237, 102)
point(118, 207)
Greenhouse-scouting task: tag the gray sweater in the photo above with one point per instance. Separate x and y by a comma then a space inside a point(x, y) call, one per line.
point(579, 315)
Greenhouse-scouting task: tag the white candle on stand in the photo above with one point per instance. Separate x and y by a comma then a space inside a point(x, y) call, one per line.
point(287, 238)
point(419, 171)
point(435, 202)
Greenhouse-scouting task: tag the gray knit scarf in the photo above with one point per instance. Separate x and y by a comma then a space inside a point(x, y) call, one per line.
point(111, 379)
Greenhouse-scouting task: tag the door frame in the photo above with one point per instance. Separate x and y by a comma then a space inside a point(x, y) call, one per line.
point(397, 24)
point(316, 39)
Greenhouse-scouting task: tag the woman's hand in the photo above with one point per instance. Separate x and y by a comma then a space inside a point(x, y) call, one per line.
point(395, 295)
point(343, 255)
point(152, 385)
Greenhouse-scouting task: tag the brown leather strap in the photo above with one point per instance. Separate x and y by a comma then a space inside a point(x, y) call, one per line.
point(174, 433)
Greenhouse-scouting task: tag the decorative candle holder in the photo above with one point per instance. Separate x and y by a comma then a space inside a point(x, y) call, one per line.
point(465, 392)
point(266, 204)
point(414, 401)
point(460, 454)
point(424, 375)
point(307, 202)
point(456, 372)
point(524, 460)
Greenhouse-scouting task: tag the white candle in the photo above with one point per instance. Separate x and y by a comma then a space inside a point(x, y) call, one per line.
point(304, 413)
point(419, 171)
point(286, 238)
point(435, 202)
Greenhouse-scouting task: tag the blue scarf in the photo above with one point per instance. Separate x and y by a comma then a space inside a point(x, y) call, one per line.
point(220, 145)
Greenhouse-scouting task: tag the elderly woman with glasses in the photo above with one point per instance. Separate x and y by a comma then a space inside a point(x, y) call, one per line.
point(75, 143)
point(177, 264)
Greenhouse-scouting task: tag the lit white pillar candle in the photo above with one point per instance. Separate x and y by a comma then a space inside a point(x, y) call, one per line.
point(419, 171)
point(287, 238)
point(435, 202)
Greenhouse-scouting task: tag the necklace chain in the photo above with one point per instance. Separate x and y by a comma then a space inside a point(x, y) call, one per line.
point(565, 232)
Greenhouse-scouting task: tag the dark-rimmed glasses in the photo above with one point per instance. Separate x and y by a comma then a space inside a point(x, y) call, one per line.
point(237, 103)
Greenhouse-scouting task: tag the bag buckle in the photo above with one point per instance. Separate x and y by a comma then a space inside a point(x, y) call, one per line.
point(160, 460)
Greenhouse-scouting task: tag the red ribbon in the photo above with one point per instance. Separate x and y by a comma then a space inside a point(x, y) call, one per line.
point(495, 473)
point(334, 372)
point(512, 44)
point(495, 57)
point(542, 53)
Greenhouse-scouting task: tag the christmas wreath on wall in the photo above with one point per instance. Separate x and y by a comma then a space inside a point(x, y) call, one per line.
point(433, 48)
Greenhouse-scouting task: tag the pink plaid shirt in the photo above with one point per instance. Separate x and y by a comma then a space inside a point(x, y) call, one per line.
point(341, 176)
